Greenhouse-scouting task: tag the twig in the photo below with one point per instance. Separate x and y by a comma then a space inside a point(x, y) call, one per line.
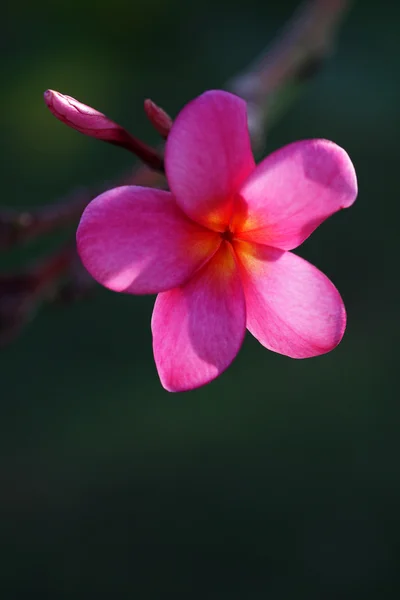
point(291, 60)
point(18, 227)
point(21, 294)
point(295, 56)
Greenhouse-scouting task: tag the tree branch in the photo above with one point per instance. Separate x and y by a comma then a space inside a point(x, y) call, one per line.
point(293, 58)
point(268, 85)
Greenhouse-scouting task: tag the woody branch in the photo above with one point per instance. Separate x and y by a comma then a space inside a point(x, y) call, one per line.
point(268, 84)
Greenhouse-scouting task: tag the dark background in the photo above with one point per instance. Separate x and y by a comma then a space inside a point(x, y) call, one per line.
point(280, 480)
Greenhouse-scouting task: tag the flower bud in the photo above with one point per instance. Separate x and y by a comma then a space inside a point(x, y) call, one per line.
point(83, 118)
point(93, 123)
point(160, 120)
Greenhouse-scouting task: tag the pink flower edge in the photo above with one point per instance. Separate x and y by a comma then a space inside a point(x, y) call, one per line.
point(199, 328)
point(124, 240)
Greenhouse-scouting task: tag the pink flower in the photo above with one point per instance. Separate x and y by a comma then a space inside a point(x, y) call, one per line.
point(216, 247)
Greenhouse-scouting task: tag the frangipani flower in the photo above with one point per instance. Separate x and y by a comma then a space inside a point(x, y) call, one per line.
point(216, 247)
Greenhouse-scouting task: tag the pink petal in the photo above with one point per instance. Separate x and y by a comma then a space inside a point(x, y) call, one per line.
point(137, 240)
point(292, 308)
point(208, 155)
point(199, 328)
point(293, 190)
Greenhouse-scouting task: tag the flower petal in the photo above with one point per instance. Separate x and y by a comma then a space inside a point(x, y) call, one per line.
point(137, 240)
point(199, 328)
point(293, 191)
point(208, 155)
point(292, 308)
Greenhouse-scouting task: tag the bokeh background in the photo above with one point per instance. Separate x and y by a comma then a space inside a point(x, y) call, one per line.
point(280, 480)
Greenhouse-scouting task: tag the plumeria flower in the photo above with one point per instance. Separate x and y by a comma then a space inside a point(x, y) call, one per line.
point(216, 247)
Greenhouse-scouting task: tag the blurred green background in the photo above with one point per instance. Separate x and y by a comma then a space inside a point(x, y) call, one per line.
point(280, 480)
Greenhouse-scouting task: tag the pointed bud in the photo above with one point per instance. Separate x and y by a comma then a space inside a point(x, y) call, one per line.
point(160, 120)
point(93, 123)
point(83, 118)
